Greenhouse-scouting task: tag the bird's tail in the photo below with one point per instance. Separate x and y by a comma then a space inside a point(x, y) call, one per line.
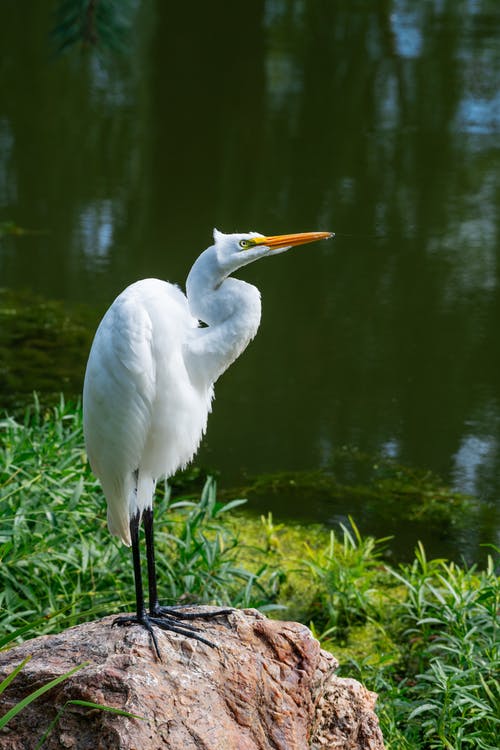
point(119, 521)
point(119, 497)
point(125, 501)
point(145, 488)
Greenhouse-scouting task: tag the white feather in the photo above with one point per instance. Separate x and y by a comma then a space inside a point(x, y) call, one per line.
point(149, 379)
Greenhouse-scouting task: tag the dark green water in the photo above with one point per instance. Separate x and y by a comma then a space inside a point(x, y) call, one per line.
point(378, 120)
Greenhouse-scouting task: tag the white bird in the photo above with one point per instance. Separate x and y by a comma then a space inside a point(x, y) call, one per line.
point(149, 385)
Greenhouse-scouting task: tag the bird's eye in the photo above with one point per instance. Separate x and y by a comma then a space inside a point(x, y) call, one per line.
point(245, 244)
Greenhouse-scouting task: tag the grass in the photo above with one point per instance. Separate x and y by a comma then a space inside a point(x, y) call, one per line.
point(58, 560)
point(35, 694)
point(451, 621)
point(423, 635)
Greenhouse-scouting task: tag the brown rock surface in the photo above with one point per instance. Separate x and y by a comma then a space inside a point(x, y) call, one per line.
point(268, 686)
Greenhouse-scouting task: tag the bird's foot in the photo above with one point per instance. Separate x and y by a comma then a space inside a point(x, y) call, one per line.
point(176, 612)
point(165, 623)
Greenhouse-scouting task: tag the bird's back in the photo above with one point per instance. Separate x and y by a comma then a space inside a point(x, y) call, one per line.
point(143, 416)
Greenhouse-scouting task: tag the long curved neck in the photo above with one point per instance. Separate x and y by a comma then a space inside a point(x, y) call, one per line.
point(231, 310)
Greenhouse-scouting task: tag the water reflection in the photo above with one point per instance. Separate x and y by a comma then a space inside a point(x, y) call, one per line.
point(406, 25)
point(7, 181)
point(95, 231)
point(474, 453)
point(379, 121)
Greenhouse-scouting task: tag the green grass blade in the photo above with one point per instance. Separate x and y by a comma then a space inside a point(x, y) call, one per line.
point(37, 693)
point(13, 674)
point(109, 709)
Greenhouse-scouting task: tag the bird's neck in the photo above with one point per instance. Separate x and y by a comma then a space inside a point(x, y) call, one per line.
point(231, 310)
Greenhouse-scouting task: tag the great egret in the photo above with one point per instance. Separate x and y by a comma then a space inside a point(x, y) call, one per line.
point(149, 386)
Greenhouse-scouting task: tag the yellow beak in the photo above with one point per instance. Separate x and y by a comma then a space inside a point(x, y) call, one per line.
point(290, 240)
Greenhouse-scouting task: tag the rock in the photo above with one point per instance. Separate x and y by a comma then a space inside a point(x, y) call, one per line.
point(267, 686)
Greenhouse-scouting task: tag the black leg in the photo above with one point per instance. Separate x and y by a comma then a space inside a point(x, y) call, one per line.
point(141, 617)
point(169, 613)
point(136, 558)
point(156, 616)
point(150, 556)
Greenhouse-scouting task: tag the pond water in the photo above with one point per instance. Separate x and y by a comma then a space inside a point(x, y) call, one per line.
point(379, 121)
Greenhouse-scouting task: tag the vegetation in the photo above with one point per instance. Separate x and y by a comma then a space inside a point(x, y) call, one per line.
point(385, 490)
point(41, 342)
point(423, 635)
point(105, 25)
point(58, 560)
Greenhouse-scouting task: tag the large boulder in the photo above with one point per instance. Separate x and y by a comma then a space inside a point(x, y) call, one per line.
point(266, 686)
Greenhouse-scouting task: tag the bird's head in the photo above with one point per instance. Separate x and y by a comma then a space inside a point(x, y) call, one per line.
point(211, 300)
point(236, 250)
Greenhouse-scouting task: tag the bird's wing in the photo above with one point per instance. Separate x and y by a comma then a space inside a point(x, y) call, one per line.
point(119, 391)
point(141, 412)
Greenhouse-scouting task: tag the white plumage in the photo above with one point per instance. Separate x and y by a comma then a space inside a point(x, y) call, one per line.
point(149, 381)
point(142, 410)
